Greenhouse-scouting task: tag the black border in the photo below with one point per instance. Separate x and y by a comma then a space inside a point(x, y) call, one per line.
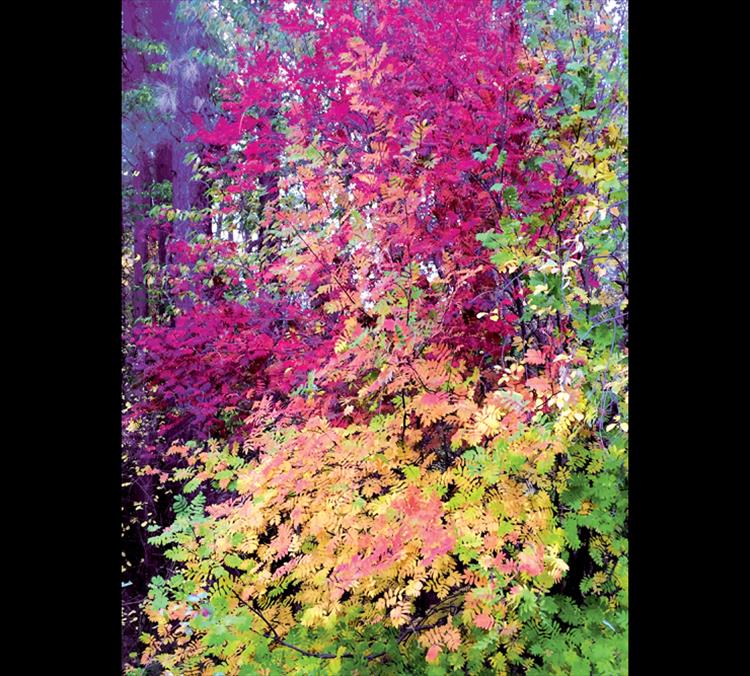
point(79, 298)
point(73, 191)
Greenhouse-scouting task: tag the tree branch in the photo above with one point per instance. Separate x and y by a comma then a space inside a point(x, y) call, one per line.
point(278, 640)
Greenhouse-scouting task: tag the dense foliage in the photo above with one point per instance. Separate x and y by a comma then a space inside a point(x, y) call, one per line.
point(378, 377)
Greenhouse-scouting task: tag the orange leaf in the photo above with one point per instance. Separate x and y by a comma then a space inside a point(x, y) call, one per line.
point(432, 653)
point(484, 621)
point(531, 561)
point(534, 357)
point(541, 385)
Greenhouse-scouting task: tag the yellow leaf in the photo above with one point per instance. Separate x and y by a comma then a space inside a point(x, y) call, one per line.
point(311, 616)
point(413, 588)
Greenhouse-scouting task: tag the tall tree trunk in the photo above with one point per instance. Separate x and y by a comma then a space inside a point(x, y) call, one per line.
point(142, 184)
point(164, 172)
point(133, 72)
point(191, 79)
point(132, 25)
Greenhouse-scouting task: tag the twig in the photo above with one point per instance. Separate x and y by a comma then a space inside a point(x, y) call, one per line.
point(280, 641)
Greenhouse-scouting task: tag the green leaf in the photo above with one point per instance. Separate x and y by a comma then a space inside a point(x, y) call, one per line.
point(411, 472)
point(233, 560)
point(502, 257)
point(491, 239)
point(510, 195)
point(177, 554)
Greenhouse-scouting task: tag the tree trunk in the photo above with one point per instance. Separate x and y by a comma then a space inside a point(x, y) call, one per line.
point(191, 80)
point(142, 184)
point(133, 72)
point(164, 172)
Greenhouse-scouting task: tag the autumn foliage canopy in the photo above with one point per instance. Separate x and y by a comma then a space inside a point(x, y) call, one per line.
point(394, 417)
